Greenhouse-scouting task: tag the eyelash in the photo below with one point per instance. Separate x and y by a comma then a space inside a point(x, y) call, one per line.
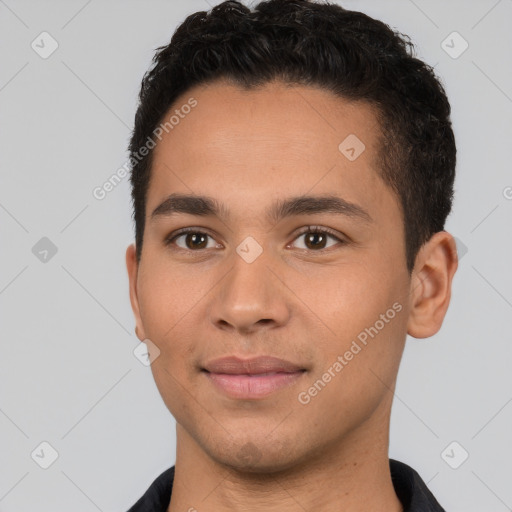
point(308, 229)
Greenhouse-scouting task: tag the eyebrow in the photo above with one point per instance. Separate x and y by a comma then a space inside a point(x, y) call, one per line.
point(300, 205)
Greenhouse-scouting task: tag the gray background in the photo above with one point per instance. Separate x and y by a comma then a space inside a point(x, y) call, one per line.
point(68, 374)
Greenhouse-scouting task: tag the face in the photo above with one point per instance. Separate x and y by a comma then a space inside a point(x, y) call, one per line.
point(253, 280)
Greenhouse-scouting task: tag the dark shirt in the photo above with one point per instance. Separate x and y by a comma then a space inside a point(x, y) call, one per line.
point(409, 487)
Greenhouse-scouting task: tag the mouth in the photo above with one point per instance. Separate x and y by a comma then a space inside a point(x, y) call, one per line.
point(254, 378)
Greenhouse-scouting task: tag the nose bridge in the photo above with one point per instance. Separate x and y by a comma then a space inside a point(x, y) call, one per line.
point(250, 295)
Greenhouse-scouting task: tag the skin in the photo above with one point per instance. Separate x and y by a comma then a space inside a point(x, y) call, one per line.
point(303, 302)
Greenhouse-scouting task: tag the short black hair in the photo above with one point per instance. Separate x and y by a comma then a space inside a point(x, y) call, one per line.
point(322, 45)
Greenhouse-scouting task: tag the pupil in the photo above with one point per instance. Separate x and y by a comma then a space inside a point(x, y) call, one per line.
point(195, 237)
point(313, 235)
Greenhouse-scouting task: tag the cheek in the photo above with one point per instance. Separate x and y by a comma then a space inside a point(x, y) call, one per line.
point(349, 298)
point(169, 302)
point(365, 313)
point(176, 390)
point(356, 368)
point(168, 299)
point(167, 294)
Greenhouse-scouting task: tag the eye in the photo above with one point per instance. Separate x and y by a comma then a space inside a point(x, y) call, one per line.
point(316, 238)
point(193, 239)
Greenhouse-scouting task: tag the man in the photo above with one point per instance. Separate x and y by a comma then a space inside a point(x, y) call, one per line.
point(293, 169)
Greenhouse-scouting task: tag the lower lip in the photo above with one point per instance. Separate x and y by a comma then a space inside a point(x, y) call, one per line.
point(252, 386)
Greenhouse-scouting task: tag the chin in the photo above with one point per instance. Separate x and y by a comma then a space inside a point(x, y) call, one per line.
point(269, 456)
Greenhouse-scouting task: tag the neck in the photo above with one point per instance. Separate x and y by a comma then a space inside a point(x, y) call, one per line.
point(353, 476)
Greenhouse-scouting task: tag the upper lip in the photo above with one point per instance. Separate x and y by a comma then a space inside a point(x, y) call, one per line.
point(257, 365)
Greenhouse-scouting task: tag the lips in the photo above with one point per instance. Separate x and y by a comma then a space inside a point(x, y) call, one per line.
point(255, 366)
point(251, 379)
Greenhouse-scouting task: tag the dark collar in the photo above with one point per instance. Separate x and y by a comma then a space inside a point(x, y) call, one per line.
point(409, 487)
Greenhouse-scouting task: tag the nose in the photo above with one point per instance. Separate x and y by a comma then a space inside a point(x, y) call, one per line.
point(251, 297)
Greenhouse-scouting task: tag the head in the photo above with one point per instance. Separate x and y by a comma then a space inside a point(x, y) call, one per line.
point(292, 115)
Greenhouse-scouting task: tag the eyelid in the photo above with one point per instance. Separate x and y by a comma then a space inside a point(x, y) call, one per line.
point(319, 229)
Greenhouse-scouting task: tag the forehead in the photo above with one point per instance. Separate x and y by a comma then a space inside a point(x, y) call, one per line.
point(274, 113)
point(268, 142)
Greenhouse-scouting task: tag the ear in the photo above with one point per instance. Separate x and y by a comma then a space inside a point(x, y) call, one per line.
point(431, 285)
point(133, 267)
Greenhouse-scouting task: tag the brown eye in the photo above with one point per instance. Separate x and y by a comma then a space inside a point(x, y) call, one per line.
point(192, 240)
point(315, 239)
point(196, 240)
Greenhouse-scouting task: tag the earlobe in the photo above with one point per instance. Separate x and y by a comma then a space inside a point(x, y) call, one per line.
point(431, 284)
point(132, 268)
